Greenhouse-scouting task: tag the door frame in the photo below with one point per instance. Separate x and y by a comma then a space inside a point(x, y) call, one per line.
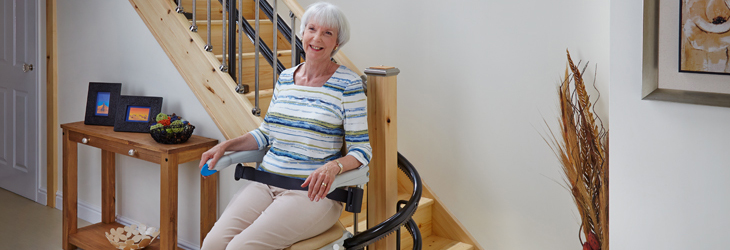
point(48, 72)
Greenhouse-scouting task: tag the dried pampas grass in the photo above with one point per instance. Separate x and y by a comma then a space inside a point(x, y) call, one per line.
point(583, 154)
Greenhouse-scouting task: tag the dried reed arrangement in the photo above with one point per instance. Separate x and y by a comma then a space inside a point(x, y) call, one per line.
point(583, 154)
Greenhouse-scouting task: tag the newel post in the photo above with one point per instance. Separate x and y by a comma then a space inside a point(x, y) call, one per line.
point(383, 128)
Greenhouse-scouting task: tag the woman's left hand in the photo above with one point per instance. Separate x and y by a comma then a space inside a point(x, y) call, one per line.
point(320, 181)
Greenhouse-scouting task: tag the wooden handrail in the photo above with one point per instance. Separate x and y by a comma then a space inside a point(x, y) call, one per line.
point(340, 57)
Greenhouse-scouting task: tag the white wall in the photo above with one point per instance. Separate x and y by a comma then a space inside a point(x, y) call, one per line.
point(107, 41)
point(669, 175)
point(477, 79)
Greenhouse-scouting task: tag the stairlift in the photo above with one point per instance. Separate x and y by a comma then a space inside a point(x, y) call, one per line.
point(347, 189)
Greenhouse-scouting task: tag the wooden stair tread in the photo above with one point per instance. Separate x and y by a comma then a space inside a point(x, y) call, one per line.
point(262, 93)
point(220, 22)
point(434, 242)
point(347, 220)
point(252, 55)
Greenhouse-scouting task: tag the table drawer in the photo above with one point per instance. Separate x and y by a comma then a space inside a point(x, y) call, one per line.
point(114, 146)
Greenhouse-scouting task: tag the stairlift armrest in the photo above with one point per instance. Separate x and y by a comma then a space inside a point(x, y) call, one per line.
point(358, 176)
point(233, 158)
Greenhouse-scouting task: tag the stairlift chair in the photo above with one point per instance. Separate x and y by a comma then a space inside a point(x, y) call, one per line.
point(349, 185)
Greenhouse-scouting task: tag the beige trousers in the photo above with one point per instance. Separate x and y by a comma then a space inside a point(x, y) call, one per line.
point(266, 217)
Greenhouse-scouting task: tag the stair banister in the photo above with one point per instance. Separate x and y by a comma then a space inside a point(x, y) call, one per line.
point(257, 110)
point(276, 40)
point(232, 39)
point(194, 24)
point(208, 47)
point(223, 67)
point(241, 88)
point(383, 129)
point(293, 40)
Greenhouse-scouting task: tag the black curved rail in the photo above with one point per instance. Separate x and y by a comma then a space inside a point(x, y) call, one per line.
point(399, 219)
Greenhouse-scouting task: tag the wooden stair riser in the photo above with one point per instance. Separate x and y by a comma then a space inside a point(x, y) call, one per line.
point(216, 11)
point(436, 243)
point(264, 100)
point(216, 33)
point(266, 74)
point(422, 217)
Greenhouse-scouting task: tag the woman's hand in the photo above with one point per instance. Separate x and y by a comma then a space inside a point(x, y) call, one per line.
point(214, 153)
point(320, 181)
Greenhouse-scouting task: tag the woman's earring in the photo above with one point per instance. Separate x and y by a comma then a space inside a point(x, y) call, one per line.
point(336, 46)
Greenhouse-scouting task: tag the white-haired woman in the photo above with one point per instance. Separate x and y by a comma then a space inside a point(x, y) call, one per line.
point(316, 107)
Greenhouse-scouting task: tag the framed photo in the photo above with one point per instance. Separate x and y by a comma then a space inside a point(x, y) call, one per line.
point(135, 113)
point(101, 103)
point(704, 36)
point(664, 76)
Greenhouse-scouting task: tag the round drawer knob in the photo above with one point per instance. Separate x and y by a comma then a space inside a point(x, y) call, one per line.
point(85, 140)
point(132, 152)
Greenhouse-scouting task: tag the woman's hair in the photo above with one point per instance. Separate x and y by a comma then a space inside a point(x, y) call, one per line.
point(328, 15)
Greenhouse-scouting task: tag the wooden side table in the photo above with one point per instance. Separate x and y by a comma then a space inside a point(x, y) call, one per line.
point(141, 146)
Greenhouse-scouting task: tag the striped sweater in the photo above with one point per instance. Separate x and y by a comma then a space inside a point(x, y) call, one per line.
point(306, 126)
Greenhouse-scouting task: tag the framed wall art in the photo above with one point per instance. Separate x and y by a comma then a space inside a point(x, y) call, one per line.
point(135, 113)
point(704, 36)
point(675, 68)
point(101, 103)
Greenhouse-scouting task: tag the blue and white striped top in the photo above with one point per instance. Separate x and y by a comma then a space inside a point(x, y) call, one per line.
point(306, 126)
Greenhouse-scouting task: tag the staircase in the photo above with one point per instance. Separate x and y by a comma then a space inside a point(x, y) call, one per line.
point(439, 228)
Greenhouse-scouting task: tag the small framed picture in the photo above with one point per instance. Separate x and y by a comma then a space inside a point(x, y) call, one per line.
point(135, 113)
point(101, 103)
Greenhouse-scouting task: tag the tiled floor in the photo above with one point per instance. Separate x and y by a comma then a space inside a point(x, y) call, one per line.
point(26, 225)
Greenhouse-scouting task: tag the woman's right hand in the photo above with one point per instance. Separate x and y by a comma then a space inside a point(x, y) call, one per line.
point(214, 153)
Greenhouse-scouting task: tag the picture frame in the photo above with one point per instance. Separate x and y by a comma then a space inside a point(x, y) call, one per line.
point(135, 113)
point(704, 37)
point(661, 78)
point(101, 101)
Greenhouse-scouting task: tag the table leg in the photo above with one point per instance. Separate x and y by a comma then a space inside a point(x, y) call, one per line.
point(70, 189)
point(208, 204)
point(108, 188)
point(168, 202)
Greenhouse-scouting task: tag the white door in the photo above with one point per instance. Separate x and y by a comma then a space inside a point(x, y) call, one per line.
point(19, 97)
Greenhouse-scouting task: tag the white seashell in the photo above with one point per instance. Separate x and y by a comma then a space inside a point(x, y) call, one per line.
point(150, 231)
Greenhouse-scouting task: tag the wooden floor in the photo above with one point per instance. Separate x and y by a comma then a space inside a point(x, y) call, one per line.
point(25, 224)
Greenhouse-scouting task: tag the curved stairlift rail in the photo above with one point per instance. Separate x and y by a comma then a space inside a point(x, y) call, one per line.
point(402, 217)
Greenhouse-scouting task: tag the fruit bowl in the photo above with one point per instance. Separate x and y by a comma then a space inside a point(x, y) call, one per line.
point(171, 129)
point(172, 134)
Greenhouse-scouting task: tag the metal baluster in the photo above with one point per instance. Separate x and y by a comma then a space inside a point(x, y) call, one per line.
point(241, 89)
point(194, 25)
point(224, 67)
point(293, 38)
point(275, 53)
point(256, 110)
point(179, 8)
point(232, 39)
point(208, 47)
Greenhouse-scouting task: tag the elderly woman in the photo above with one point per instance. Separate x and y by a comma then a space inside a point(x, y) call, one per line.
point(316, 107)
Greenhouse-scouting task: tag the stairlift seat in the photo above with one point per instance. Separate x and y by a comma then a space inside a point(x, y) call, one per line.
point(334, 237)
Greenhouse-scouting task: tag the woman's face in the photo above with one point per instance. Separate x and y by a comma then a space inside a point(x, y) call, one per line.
point(319, 41)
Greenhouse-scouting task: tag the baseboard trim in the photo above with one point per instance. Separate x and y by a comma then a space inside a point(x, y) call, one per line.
point(92, 214)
